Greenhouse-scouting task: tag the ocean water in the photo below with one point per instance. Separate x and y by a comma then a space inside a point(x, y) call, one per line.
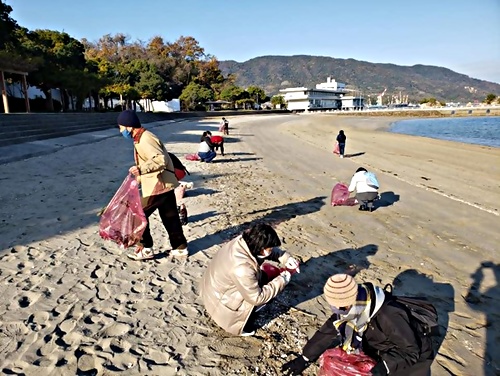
point(470, 130)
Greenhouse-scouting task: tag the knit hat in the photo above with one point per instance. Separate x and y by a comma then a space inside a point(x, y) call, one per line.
point(341, 290)
point(129, 118)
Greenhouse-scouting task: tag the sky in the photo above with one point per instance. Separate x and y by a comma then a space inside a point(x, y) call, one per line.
point(462, 35)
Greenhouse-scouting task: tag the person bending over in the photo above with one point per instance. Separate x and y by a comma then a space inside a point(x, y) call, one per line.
point(206, 148)
point(366, 190)
point(366, 318)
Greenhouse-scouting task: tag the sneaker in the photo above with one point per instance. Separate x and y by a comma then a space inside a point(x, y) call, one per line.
point(141, 253)
point(180, 251)
point(247, 334)
point(341, 156)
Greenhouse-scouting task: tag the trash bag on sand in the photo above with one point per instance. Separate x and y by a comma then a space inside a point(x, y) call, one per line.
point(123, 221)
point(340, 196)
point(336, 150)
point(336, 361)
point(192, 157)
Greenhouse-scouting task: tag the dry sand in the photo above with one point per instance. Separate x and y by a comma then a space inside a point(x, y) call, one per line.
point(74, 304)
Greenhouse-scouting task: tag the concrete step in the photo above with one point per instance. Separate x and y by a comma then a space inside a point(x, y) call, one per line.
point(47, 135)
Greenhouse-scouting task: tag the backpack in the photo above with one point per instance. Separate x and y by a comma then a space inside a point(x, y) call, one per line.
point(421, 312)
point(179, 170)
point(371, 180)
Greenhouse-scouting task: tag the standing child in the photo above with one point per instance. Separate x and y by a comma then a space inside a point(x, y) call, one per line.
point(341, 140)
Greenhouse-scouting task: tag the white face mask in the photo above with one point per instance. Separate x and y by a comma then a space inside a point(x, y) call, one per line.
point(265, 255)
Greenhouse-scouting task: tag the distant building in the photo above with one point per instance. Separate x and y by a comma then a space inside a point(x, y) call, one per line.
point(329, 95)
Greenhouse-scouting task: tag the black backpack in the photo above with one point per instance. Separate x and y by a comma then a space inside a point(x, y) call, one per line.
point(422, 313)
point(180, 170)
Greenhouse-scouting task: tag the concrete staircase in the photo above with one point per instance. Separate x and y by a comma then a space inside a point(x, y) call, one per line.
point(20, 128)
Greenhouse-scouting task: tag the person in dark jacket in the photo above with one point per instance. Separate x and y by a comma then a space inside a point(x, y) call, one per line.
point(365, 318)
point(341, 140)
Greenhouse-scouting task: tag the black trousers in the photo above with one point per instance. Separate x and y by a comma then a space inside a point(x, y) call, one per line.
point(366, 198)
point(167, 209)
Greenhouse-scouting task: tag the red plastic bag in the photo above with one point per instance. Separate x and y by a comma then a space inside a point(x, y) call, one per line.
point(192, 157)
point(273, 271)
point(340, 196)
point(123, 220)
point(336, 362)
point(336, 150)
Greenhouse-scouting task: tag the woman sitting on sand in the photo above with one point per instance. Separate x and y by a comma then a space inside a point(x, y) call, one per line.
point(206, 148)
point(233, 286)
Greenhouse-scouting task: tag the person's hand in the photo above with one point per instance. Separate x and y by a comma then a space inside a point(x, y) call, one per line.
point(286, 276)
point(380, 369)
point(295, 367)
point(292, 264)
point(134, 170)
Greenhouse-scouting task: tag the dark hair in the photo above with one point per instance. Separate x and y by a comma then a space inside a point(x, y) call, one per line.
point(208, 133)
point(260, 236)
point(202, 138)
point(361, 169)
point(341, 132)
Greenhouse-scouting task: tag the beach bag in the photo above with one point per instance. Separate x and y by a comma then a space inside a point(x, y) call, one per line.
point(179, 170)
point(340, 196)
point(336, 150)
point(371, 180)
point(192, 157)
point(334, 362)
point(123, 221)
point(423, 315)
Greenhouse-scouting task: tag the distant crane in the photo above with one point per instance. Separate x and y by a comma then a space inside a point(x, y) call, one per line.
point(379, 97)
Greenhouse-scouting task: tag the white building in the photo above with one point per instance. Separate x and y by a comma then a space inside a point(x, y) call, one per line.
point(329, 95)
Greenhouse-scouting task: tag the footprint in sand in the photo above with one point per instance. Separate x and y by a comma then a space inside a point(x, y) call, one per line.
point(103, 292)
point(236, 347)
point(40, 319)
point(118, 345)
point(67, 325)
point(27, 299)
point(87, 363)
point(49, 346)
point(138, 288)
point(98, 272)
point(117, 329)
point(176, 277)
point(123, 362)
point(157, 357)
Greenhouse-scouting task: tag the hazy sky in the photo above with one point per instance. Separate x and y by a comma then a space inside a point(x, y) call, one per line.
point(462, 35)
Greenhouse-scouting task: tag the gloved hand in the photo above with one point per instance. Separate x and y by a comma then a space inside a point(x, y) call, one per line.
point(380, 369)
point(292, 264)
point(295, 367)
point(286, 276)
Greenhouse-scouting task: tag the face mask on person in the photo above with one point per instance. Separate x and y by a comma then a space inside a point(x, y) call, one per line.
point(127, 134)
point(267, 253)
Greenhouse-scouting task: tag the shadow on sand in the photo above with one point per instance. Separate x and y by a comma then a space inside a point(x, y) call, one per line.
point(483, 297)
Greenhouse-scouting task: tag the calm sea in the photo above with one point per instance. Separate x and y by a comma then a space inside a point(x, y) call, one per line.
point(470, 130)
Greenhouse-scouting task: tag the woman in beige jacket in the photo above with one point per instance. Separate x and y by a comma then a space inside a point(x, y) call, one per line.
point(234, 286)
point(155, 171)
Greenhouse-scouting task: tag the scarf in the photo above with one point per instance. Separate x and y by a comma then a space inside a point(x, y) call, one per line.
point(352, 325)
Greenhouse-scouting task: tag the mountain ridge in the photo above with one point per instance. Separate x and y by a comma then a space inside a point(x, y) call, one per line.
point(275, 72)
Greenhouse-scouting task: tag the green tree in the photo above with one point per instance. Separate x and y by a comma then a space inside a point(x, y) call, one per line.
point(231, 93)
point(194, 95)
point(256, 93)
point(490, 98)
point(7, 26)
point(278, 100)
point(57, 53)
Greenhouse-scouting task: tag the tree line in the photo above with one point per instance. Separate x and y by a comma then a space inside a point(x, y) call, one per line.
point(116, 67)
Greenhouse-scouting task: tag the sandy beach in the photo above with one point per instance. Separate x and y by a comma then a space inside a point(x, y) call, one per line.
point(75, 304)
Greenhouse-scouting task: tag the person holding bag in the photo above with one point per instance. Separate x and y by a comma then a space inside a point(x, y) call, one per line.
point(154, 170)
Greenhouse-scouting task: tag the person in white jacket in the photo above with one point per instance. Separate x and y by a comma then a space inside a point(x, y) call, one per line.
point(365, 193)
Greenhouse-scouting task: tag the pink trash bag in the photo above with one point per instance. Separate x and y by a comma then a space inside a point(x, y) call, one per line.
point(123, 221)
point(335, 362)
point(336, 150)
point(340, 196)
point(192, 157)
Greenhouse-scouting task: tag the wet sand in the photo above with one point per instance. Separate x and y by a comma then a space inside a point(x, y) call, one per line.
point(74, 303)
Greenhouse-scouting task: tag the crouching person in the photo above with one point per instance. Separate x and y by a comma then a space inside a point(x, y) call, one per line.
point(233, 286)
point(365, 318)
